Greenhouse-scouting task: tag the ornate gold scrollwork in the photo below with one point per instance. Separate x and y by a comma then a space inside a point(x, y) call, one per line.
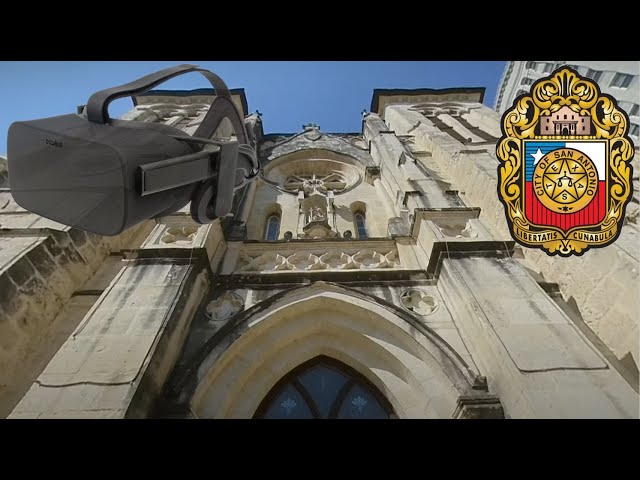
point(565, 88)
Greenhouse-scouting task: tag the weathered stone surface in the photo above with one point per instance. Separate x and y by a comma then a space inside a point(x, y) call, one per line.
point(28, 359)
point(277, 146)
point(531, 354)
point(40, 268)
point(479, 407)
point(398, 227)
point(8, 291)
point(103, 362)
point(21, 271)
point(4, 174)
point(12, 248)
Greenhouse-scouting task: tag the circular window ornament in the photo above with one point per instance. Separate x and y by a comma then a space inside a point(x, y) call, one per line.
point(321, 182)
point(418, 302)
point(226, 306)
point(314, 176)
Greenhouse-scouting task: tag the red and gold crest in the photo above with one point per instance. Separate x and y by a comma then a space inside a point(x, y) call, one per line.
point(565, 165)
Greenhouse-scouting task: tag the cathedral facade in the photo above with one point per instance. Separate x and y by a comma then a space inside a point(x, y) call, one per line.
point(363, 275)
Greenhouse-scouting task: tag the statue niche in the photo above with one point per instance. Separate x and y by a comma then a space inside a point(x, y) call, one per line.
point(316, 216)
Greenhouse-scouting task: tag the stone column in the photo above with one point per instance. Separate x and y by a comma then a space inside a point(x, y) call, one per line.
point(116, 361)
point(372, 176)
point(532, 355)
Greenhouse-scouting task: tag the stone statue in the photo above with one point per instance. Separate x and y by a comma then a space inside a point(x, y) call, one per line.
point(316, 214)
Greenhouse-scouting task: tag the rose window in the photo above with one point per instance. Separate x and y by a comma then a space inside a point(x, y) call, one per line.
point(313, 182)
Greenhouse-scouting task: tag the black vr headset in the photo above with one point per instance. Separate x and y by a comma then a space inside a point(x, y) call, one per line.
point(103, 175)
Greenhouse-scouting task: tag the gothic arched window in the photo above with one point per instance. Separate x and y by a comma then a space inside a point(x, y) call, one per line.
point(272, 228)
point(324, 388)
point(361, 228)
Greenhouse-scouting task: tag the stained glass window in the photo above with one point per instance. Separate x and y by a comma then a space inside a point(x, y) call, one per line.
point(273, 228)
point(361, 228)
point(324, 388)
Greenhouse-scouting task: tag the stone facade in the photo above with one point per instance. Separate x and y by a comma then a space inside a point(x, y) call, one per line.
point(50, 276)
point(384, 253)
point(4, 175)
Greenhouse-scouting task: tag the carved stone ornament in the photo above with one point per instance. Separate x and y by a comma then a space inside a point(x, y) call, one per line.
point(312, 132)
point(179, 235)
point(418, 302)
point(456, 230)
point(316, 183)
point(318, 260)
point(226, 306)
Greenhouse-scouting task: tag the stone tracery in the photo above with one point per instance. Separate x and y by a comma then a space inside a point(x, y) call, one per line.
point(320, 260)
point(312, 183)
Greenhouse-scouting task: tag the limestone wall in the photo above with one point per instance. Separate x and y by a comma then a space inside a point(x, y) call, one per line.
point(99, 369)
point(114, 362)
point(534, 357)
point(4, 175)
point(42, 265)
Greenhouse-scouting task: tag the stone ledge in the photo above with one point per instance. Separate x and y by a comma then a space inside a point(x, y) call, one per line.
point(304, 277)
point(484, 406)
point(37, 274)
point(443, 250)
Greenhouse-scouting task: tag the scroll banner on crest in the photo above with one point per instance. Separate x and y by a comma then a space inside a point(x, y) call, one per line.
point(540, 237)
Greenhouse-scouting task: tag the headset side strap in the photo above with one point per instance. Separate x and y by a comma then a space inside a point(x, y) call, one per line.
point(98, 105)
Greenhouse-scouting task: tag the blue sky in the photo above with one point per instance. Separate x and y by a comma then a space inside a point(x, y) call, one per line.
point(288, 94)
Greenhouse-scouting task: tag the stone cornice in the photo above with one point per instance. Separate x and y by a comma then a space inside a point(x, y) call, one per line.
point(383, 97)
point(180, 97)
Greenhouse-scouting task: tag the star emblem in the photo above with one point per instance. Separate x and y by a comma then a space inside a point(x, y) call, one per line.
point(537, 156)
point(565, 181)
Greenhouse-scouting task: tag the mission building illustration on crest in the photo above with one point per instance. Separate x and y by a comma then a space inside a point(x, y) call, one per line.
point(565, 171)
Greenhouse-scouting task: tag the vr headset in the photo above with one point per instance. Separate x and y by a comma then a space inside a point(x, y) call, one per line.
point(103, 175)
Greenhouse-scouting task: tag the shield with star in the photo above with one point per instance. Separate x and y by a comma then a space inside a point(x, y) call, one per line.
point(565, 165)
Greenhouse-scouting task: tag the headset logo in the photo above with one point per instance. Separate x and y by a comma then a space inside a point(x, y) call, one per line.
point(53, 143)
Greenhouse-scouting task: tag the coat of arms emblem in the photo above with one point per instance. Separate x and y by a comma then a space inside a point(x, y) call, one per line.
point(564, 176)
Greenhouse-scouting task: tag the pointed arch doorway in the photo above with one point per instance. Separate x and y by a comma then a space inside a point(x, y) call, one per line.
point(416, 371)
point(324, 388)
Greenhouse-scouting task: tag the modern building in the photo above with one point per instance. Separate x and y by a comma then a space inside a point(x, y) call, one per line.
point(619, 79)
point(364, 275)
